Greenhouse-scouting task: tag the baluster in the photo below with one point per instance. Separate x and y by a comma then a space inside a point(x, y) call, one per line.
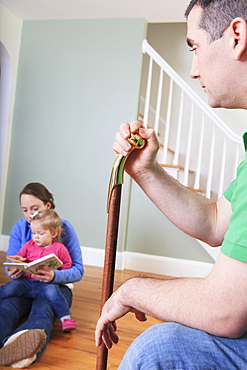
point(168, 122)
point(188, 151)
point(199, 158)
point(222, 170)
point(148, 92)
point(157, 112)
point(179, 128)
point(210, 166)
point(236, 160)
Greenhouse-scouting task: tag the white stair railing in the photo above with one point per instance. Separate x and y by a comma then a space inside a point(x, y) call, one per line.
point(198, 139)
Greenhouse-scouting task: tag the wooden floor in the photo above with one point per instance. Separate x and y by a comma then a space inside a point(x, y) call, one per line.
point(77, 350)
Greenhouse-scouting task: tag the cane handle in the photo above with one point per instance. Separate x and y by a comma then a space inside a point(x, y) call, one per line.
point(116, 178)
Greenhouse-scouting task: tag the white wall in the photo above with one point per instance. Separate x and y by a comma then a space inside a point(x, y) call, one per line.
point(77, 81)
point(10, 38)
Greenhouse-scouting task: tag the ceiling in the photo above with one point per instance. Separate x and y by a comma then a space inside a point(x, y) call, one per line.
point(153, 10)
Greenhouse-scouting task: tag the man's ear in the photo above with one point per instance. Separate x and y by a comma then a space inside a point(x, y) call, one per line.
point(238, 34)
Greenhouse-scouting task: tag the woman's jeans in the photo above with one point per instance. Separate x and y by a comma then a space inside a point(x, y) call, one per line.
point(41, 315)
point(174, 346)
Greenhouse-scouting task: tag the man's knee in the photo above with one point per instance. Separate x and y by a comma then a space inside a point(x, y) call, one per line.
point(160, 347)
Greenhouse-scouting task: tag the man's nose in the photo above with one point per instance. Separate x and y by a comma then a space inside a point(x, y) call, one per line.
point(194, 72)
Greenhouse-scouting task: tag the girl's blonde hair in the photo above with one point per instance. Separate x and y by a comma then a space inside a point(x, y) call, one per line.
point(50, 220)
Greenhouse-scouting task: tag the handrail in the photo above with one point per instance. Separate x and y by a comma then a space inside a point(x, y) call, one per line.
point(146, 48)
point(194, 147)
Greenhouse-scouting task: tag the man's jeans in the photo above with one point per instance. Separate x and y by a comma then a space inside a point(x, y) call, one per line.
point(174, 346)
point(41, 315)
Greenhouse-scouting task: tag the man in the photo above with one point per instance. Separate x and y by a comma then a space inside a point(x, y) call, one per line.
point(207, 318)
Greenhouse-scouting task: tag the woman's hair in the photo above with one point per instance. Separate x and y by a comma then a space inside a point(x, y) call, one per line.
point(50, 220)
point(217, 15)
point(39, 191)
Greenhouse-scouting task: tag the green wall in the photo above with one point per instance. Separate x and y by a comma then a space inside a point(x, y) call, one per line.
point(77, 81)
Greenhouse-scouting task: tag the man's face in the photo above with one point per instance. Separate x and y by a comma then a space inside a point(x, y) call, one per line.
point(211, 63)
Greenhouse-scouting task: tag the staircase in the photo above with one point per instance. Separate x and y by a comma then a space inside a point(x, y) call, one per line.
point(196, 146)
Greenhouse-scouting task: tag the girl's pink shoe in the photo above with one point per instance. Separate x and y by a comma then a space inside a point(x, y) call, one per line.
point(68, 325)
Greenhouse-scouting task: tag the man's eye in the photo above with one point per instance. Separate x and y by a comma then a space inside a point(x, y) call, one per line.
point(193, 49)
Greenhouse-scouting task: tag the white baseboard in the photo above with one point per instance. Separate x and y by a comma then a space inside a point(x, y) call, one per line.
point(141, 262)
point(4, 241)
point(149, 263)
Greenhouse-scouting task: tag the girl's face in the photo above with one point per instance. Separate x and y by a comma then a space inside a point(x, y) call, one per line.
point(31, 204)
point(41, 236)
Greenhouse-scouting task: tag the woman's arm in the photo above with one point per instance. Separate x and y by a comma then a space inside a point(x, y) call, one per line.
point(19, 235)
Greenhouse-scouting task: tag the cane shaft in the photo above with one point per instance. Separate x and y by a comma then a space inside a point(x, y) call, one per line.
point(109, 264)
point(113, 209)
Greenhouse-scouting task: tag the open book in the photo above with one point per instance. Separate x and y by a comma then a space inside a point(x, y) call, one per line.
point(49, 262)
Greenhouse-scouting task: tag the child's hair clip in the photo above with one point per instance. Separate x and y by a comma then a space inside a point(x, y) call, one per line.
point(34, 214)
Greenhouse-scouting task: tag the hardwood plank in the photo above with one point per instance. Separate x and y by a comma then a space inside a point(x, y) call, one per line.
point(76, 350)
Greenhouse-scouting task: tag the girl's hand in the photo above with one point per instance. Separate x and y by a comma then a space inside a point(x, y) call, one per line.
point(15, 273)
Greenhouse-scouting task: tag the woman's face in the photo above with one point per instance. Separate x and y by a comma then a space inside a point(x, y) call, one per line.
point(31, 204)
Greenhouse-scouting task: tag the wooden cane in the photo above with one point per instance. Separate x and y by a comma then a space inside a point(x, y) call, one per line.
point(113, 210)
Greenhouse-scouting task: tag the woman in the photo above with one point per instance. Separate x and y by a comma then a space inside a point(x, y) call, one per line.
point(34, 197)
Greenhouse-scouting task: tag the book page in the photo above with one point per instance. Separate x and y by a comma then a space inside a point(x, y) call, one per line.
point(49, 262)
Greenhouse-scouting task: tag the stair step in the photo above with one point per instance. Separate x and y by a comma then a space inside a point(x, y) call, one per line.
point(177, 168)
point(201, 191)
point(174, 166)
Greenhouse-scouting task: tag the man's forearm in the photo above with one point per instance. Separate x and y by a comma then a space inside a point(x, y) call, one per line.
point(216, 304)
point(170, 300)
point(190, 212)
point(210, 304)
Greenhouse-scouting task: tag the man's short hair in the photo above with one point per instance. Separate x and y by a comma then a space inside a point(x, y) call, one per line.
point(217, 15)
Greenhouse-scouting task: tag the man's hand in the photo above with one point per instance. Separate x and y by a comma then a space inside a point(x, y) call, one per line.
point(113, 309)
point(140, 160)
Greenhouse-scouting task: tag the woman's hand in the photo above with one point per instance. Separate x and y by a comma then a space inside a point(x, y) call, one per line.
point(44, 276)
point(14, 273)
point(140, 160)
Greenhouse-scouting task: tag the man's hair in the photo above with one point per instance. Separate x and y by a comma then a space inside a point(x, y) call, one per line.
point(217, 15)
